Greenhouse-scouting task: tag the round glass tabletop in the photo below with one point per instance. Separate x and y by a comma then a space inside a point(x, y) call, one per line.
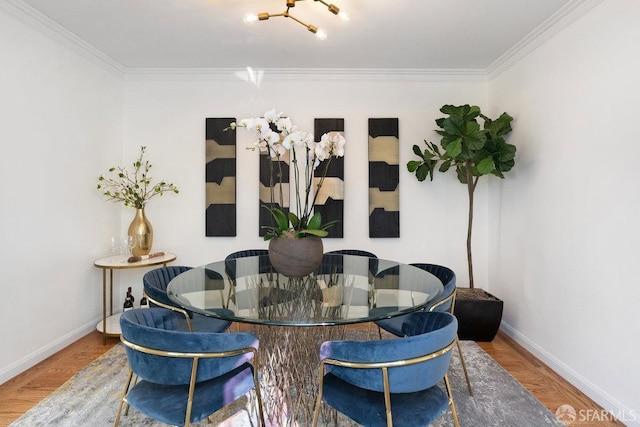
point(344, 289)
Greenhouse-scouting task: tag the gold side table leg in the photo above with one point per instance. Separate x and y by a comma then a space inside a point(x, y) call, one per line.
point(104, 306)
point(111, 291)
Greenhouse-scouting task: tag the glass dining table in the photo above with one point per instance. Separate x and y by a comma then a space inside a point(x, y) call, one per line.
point(293, 316)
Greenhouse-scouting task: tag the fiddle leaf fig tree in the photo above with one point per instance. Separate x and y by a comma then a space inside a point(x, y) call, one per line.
point(472, 151)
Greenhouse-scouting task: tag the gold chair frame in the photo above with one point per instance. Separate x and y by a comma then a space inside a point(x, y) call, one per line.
point(451, 298)
point(384, 366)
point(194, 369)
point(182, 311)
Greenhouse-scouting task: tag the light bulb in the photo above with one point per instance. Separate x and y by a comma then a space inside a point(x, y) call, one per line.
point(344, 16)
point(250, 18)
point(321, 34)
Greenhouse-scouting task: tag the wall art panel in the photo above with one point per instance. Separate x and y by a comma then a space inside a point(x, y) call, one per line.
point(269, 193)
point(220, 198)
point(384, 178)
point(330, 200)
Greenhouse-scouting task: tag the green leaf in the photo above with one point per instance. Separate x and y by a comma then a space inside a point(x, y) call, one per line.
point(293, 218)
point(473, 137)
point(485, 166)
point(413, 165)
point(319, 233)
point(417, 151)
point(280, 218)
point(454, 148)
point(453, 125)
point(422, 172)
point(445, 166)
point(329, 224)
point(315, 222)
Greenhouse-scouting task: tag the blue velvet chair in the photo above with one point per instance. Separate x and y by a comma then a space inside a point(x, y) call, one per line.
point(373, 259)
point(155, 288)
point(184, 377)
point(230, 262)
point(445, 303)
point(391, 381)
point(355, 295)
point(270, 296)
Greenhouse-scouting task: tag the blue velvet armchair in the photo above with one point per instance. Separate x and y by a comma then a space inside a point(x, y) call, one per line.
point(155, 288)
point(183, 377)
point(391, 381)
point(445, 303)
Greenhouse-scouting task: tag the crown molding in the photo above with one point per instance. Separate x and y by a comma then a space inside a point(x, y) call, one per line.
point(311, 74)
point(44, 25)
point(560, 20)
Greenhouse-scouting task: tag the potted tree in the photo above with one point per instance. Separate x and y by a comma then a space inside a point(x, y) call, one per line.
point(472, 152)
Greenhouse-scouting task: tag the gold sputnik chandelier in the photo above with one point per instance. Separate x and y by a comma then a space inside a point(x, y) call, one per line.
point(251, 18)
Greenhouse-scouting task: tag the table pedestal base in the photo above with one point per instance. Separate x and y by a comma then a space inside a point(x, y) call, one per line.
point(289, 371)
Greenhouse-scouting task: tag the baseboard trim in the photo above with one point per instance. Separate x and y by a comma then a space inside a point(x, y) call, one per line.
point(41, 354)
point(628, 416)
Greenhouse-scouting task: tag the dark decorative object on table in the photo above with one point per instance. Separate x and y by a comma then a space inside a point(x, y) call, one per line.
point(472, 152)
point(128, 301)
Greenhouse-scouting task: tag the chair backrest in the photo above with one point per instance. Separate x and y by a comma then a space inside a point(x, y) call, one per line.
point(155, 283)
point(373, 259)
point(230, 261)
point(154, 328)
point(448, 279)
point(427, 334)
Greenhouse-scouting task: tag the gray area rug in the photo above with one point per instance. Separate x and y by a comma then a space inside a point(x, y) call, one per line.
point(91, 398)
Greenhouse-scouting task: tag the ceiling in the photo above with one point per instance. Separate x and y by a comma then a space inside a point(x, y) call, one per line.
point(210, 34)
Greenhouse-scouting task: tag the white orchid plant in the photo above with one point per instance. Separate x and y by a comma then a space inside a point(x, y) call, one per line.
point(276, 135)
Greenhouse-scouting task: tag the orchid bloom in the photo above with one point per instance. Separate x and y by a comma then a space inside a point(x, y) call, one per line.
point(275, 135)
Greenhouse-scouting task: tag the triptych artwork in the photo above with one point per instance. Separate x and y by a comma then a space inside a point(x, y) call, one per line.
point(384, 192)
point(384, 178)
point(220, 187)
point(330, 200)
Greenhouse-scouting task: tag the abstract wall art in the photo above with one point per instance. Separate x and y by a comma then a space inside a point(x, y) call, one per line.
point(269, 193)
point(330, 200)
point(384, 178)
point(220, 181)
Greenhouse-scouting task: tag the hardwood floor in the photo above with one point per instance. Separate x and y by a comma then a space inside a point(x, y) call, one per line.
point(24, 391)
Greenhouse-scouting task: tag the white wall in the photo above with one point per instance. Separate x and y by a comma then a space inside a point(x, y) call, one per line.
point(169, 117)
point(565, 233)
point(61, 120)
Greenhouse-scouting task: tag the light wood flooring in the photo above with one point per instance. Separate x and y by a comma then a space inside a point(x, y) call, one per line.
point(24, 391)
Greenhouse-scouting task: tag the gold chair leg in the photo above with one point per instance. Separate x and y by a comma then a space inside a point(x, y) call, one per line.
point(464, 366)
point(316, 411)
point(452, 405)
point(127, 383)
point(256, 389)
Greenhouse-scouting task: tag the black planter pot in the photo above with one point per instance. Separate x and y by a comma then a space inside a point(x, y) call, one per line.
point(478, 317)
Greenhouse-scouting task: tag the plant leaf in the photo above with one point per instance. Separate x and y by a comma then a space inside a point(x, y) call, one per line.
point(485, 166)
point(319, 233)
point(454, 148)
point(315, 222)
point(413, 165)
point(445, 166)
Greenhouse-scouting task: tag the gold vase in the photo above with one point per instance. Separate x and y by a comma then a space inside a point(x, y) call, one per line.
point(142, 232)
